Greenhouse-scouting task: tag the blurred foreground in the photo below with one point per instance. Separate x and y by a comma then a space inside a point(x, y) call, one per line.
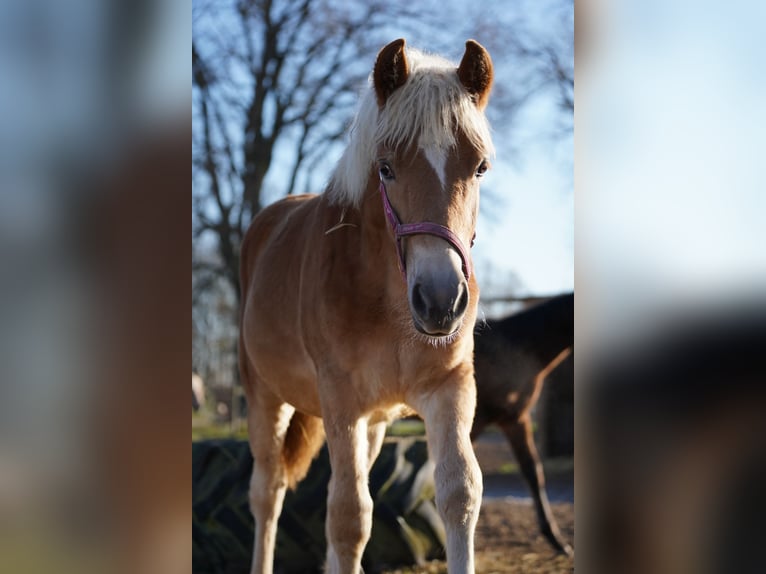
point(94, 251)
point(671, 441)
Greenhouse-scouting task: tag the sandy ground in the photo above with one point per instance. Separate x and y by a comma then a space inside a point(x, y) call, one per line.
point(508, 539)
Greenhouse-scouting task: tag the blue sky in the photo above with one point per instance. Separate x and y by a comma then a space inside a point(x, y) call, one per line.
point(527, 221)
point(532, 235)
point(671, 185)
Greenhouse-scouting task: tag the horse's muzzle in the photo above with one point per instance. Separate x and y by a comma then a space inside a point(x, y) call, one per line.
point(438, 309)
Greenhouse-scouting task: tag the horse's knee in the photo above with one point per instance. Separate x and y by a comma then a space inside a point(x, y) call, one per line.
point(458, 495)
point(349, 520)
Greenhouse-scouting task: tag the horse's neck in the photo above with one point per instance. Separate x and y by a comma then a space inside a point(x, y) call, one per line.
point(544, 333)
point(557, 339)
point(362, 235)
point(378, 246)
point(555, 332)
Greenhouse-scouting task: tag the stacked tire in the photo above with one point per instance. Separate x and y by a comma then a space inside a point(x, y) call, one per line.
point(406, 527)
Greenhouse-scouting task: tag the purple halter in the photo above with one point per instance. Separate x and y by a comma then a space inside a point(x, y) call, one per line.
point(424, 228)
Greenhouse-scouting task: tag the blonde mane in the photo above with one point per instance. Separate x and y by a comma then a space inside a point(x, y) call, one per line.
point(428, 110)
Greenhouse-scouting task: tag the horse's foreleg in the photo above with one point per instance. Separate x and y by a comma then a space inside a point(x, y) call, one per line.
point(268, 420)
point(349, 504)
point(521, 438)
point(448, 414)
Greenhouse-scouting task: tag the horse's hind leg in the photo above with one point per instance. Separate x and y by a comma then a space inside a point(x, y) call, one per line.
point(521, 438)
point(268, 420)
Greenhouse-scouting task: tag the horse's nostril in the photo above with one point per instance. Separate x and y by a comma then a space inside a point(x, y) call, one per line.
point(462, 300)
point(418, 301)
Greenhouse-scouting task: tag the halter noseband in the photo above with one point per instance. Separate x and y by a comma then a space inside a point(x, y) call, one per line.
point(424, 228)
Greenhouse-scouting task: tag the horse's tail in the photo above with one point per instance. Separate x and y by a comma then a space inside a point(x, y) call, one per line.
point(304, 438)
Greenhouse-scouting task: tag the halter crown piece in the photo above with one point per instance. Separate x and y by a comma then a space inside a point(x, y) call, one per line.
point(424, 228)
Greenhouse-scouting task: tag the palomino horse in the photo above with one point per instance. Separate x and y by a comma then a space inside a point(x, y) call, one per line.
point(359, 306)
point(512, 358)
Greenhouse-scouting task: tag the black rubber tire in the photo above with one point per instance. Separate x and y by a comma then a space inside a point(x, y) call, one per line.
point(406, 527)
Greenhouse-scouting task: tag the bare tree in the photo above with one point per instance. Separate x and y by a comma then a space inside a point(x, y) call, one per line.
point(536, 41)
point(268, 72)
point(214, 333)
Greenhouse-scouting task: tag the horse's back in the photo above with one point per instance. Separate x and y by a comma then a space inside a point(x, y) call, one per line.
point(527, 326)
point(510, 353)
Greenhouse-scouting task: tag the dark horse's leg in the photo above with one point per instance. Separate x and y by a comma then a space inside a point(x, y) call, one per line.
point(479, 424)
point(521, 437)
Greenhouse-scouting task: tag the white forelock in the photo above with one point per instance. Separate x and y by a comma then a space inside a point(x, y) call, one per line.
point(428, 110)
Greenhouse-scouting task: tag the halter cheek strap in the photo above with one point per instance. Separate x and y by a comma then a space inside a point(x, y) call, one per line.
point(424, 228)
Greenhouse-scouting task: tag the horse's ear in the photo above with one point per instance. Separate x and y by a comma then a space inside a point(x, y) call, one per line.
point(391, 70)
point(475, 72)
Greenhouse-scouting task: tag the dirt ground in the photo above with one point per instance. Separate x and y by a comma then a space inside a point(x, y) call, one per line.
point(508, 539)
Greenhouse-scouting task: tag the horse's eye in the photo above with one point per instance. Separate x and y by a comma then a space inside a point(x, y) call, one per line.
point(482, 169)
point(385, 171)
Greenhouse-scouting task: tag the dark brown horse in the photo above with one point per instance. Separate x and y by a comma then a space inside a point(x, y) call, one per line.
point(513, 356)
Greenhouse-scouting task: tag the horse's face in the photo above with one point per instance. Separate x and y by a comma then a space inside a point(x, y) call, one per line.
point(441, 187)
point(438, 185)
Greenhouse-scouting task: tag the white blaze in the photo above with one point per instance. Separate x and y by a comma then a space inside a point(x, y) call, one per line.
point(437, 157)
